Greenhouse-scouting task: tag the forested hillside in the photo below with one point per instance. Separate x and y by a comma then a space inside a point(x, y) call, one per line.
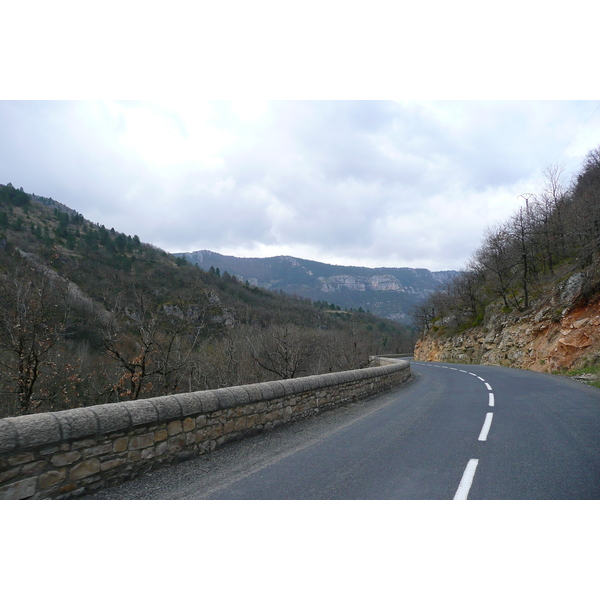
point(89, 315)
point(534, 281)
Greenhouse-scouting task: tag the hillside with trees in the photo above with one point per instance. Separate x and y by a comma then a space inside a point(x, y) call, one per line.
point(89, 315)
point(530, 295)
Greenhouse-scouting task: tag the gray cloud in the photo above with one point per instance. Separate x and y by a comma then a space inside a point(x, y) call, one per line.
point(372, 183)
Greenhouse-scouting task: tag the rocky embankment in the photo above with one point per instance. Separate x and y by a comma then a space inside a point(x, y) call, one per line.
point(560, 332)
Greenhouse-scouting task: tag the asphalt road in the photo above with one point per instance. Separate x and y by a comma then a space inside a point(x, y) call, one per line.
point(455, 432)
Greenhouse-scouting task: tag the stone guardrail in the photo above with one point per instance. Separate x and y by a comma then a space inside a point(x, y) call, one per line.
point(72, 452)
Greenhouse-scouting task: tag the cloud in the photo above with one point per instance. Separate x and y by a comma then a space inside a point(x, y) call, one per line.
point(366, 183)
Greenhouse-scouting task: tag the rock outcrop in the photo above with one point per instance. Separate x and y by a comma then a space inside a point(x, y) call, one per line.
point(562, 332)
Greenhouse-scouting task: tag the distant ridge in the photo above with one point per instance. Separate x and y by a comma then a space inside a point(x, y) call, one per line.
point(389, 292)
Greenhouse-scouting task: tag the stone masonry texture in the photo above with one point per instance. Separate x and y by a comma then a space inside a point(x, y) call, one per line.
point(70, 453)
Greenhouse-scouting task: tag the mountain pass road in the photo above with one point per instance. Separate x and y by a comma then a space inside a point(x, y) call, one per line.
point(455, 432)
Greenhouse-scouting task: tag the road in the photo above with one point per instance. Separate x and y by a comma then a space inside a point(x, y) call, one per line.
point(455, 432)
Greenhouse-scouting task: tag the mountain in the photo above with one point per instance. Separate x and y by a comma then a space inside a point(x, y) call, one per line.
point(89, 315)
point(389, 292)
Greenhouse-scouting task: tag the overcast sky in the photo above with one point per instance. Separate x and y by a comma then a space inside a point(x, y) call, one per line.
point(373, 183)
point(314, 174)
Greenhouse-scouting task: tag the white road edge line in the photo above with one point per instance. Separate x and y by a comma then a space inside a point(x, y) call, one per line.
point(488, 386)
point(491, 399)
point(467, 480)
point(473, 374)
point(486, 427)
point(482, 379)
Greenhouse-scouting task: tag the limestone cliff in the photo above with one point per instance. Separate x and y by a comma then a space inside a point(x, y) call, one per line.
point(561, 331)
point(389, 292)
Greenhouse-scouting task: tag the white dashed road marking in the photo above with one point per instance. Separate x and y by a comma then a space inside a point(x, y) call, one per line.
point(486, 427)
point(467, 479)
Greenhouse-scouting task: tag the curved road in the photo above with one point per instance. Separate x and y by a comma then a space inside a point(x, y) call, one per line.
point(455, 432)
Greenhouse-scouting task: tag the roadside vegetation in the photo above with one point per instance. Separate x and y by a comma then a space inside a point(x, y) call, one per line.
point(554, 234)
point(588, 375)
point(89, 315)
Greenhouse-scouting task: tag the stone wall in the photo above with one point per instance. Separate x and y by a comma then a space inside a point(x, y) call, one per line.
point(73, 452)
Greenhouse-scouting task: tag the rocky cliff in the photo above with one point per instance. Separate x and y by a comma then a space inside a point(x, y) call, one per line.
point(389, 292)
point(561, 331)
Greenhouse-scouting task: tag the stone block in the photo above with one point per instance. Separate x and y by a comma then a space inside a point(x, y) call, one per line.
point(111, 417)
point(189, 424)
point(8, 436)
point(175, 443)
point(298, 385)
point(98, 450)
point(210, 402)
point(269, 391)
point(240, 395)
point(142, 412)
point(161, 449)
point(19, 459)
point(254, 391)
point(168, 407)
point(226, 398)
point(9, 474)
point(288, 386)
point(85, 469)
point(121, 444)
point(33, 467)
point(174, 428)
point(334, 379)
point(240, 424)
point(36, 430)
point(191, 403)
point(216, 431)
point(201, 421)
point(65, 458)
point(68, 487)
point(202, 435)
point(272, 416)
point(160, 435)
point(345, 377)
point(134, 455)
point(78, 423)
point(50, 478)
point(148, 453)
point(141, 441)
point(310, 383)
point(253, 420)
point(112, 464)
point(19, 489)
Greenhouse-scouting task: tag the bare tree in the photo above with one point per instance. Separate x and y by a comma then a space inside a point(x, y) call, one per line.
point(499, 261)
point(284, 350)
point(521, 232)
point(33, 317)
